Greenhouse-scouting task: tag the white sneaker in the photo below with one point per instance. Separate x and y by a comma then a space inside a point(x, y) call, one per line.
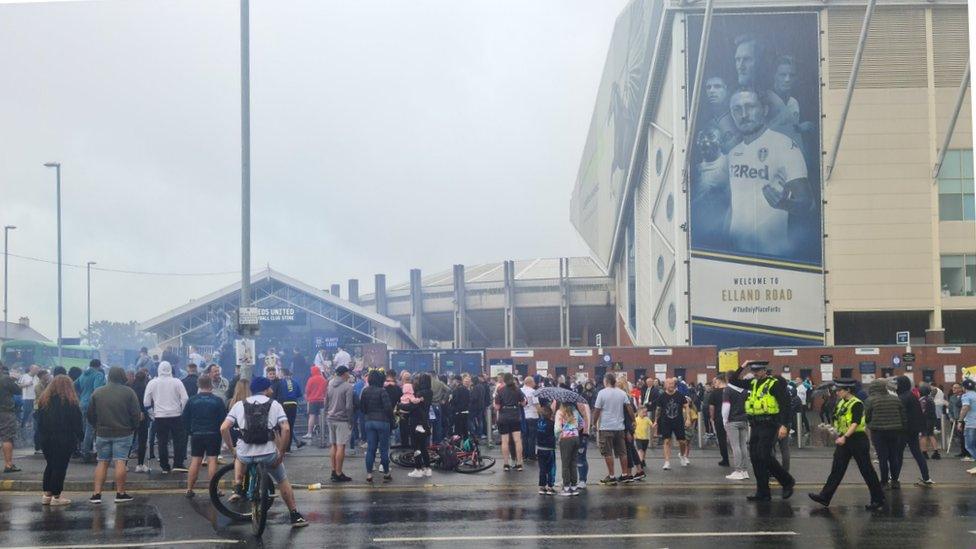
point(684, 461)
point(967, 458)
point(307, 436)
point(744, 475)
point(735, 475)
point(971, 471)
point(667, 466)
point(416, 473)
point(142, 468)
point(581, 485)
point(427, 472)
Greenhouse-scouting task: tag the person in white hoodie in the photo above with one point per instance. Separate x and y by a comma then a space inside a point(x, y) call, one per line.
point(166, 396)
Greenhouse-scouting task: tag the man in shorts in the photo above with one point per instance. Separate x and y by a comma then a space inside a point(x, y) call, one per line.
point(270, 453)
point(340, 406)
point(202, 417)
point(672, 411)
point(114, 412)
point(611, 409)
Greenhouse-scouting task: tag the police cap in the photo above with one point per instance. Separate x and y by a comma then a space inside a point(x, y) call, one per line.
point(845, 383)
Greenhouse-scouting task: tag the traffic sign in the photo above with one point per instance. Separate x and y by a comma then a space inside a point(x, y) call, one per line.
point(606, 358)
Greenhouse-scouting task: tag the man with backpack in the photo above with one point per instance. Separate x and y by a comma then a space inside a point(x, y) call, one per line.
point(257, 416)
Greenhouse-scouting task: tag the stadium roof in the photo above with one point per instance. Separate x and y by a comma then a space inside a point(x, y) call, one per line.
point(525, 269)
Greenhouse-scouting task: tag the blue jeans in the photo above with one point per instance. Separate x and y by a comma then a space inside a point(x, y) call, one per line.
point(88, 443)
point(581, 464)
point(529, 431)
point(357, 430)
point(969, 436)
point(474, 423)
point(377, 435)
point(26, 412)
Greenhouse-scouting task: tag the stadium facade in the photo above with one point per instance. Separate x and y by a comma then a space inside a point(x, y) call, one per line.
point(758, 203)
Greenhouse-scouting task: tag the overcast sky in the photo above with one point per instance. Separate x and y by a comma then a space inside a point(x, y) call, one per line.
point(386, 135)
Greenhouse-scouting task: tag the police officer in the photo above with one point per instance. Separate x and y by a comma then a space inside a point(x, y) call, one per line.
point(852, 442)
point(768, 409)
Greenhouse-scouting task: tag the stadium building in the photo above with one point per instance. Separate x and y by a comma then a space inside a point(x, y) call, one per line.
point(811, 185)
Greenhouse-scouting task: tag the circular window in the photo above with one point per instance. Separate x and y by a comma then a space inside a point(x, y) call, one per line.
point(658, 161)
point(660, 268)
point(672, 316)
point(669, 207)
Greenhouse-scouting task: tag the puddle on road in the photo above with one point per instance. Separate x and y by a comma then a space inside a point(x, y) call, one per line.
point(80, 522)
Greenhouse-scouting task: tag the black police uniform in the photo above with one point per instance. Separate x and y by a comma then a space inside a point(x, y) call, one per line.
point(764, 433)
point(857, 446)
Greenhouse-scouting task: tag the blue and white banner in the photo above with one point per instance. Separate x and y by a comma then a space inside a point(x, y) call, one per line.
point(755, 204)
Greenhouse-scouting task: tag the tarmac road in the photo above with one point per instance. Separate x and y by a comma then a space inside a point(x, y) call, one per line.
point(508, 516)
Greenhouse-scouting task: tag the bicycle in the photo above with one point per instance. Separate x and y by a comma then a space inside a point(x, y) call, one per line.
point(466, 451)
point(253, 506)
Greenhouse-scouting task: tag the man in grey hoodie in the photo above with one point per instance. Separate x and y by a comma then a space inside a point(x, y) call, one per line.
point(339, 409)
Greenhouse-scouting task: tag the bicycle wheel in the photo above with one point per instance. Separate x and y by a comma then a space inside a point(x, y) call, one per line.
point(474, 463)
point(405, 459)
point(239, 510)
point(260, 501)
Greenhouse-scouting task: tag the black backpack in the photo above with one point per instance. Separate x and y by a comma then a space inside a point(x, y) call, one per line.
point(448, 454)
point(256, 422)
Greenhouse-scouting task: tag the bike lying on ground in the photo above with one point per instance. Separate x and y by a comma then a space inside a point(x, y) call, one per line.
point(251, 506)
point(455, 454)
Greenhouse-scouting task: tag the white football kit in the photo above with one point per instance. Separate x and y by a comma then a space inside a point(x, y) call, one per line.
point(774, 159)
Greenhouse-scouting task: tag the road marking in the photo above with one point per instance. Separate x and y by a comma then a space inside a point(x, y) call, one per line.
point(584, 536)
point(214, 541)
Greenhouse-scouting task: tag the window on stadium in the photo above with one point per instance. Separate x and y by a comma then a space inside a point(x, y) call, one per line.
point(956, 195)
point(958, 275)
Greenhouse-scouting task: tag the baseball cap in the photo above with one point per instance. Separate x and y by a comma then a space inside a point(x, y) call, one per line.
point(341, 370)
point(260, 385)
point(759, 365)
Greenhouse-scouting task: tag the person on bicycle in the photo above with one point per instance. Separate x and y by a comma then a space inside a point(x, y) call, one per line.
point(260, 443)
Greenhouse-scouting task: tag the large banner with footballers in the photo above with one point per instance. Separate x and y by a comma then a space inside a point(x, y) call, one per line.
point(755, 189)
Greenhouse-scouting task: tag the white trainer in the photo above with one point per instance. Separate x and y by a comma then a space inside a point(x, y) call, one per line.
point(684, 461)
point(427, 472)
point(416, 473)
point(666, 466)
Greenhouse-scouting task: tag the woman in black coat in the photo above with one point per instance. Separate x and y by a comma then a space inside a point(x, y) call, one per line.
point(61, 430)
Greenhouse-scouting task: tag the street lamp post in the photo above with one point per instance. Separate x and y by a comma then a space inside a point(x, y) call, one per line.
point(6, 239)
point(57, 167)
point(88, 265)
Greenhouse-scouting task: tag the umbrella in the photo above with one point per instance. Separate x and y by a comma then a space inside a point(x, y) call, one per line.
point(560, 395)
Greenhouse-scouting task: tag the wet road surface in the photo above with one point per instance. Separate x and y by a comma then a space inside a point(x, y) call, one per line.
point(509, 516)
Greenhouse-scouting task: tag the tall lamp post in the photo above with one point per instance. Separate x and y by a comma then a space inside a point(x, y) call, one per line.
point(245, 172)
point(6, 239)
point(88, 265)
point(57, 167)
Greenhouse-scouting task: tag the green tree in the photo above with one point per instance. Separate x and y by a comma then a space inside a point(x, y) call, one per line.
point(106, 334)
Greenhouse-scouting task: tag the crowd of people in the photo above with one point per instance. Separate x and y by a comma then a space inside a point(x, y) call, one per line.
point(111, 417)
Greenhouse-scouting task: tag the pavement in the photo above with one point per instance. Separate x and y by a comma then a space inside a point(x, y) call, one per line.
point(310, 465)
